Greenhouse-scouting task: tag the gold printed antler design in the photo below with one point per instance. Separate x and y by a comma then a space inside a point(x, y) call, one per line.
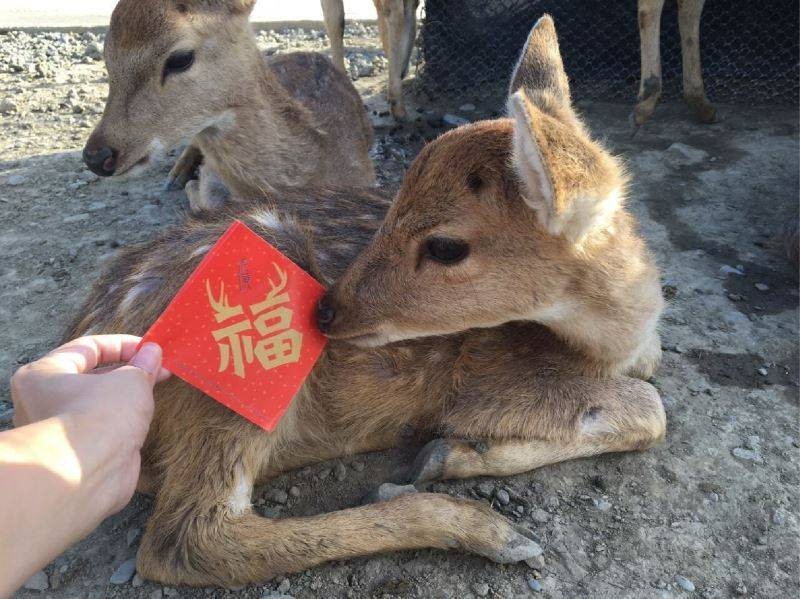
point(223, 310)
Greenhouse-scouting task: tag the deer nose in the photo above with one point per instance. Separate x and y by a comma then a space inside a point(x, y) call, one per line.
point(325, 314)
point(101, 162)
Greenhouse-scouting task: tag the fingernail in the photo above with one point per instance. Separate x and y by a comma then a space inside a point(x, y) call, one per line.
point(148, 358)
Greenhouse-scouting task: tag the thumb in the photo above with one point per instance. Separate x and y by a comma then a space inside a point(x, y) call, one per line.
point(148, 358)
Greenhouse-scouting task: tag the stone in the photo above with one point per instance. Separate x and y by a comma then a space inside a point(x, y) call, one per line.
point(762, 287)
point(37, 582)
point(8, 106)
point(747, 455)
point(679, 154)
point(294, 492)
point(157, 594)
point(536, 562)
point(124, 572)
point(540, 516)
point(388, 491)
point(484, 490)
point(94, 50)
point(358, 466)
point(137, 581)
point(279, 496)
point(340, 471)
point(730, 270)
point(132, 535)
point(481, 589)
point(534, 584)
point(284, 586)
point(467, 107)
point(15, 180)
point(683, 582)
point(502, 497)
point(602, 505)
point(451, 120)
point(763, 371)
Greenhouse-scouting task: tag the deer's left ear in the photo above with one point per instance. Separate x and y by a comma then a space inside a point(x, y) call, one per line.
point(571, 183)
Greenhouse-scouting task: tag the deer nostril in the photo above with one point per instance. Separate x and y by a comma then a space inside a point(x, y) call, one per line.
point(325, 314)
point(101, 162)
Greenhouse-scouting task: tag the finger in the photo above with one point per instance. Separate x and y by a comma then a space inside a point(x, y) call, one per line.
point(86, 353)
point(148, 358)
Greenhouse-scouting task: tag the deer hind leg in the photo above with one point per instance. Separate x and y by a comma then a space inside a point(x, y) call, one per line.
point(208, 193)
point(184, 169)
point(333, 13)
point(689, 14)
point(203, 530)
point(627, 415)
point(649, 12)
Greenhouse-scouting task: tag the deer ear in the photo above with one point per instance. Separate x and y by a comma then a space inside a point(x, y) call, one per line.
point(571, 183)
point(540, 70)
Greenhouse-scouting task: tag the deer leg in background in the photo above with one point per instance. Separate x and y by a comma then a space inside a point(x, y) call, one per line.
point(649, 12)
point(208, 192)
point(333, 13)
point(398, 25)
point(689, 14)
point(184, 169)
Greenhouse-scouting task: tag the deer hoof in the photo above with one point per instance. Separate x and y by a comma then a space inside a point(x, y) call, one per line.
point(517, 545)
point(174, 184)
point(429, 463)
point(704, 111)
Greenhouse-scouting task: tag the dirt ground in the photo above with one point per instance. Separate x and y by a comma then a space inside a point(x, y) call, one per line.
point(718, 503)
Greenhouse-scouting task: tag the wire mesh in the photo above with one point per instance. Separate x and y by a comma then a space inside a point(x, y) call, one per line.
point(749, 49)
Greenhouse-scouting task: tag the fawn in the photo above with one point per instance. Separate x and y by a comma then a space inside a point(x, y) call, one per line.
point(505, 303)
point(397, 26)
point(190, 69)
point(689, 13)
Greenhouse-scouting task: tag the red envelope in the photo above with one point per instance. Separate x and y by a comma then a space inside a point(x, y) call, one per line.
point(243, 328)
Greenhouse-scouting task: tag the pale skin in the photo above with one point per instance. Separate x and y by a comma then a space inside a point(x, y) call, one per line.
point(81, 414)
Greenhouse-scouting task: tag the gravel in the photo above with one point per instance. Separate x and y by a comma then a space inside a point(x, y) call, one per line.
point(481, 589)
point(37, 582)
point(124, 572)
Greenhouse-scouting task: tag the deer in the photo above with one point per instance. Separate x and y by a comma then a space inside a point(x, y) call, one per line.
point(191, 70)
point(689, 14)
point(502, 305)
point(397, 27)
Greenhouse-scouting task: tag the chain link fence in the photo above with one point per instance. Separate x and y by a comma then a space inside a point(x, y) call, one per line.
point(749, 49)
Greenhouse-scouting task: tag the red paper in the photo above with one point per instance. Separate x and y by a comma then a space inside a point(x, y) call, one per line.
point(243, 329)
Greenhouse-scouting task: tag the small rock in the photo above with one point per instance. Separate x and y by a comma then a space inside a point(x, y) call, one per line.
point(388, 491)
point(170, 592)
point(602, 505)
point(467, 107)
point(294, 492)
point(534, 584)
point(481, 589)
point(451, 120)
point(37, 582)
point(124, 572)
point(779, 516)
point(536, 562)
point(8, 106)
point(540, 516)
point(284, 586)
point(730, 270)
point(137, 581)
point(324, 473)
point(358, 466)
point(340, 471)
point(94, 50)
point(484, 490)
point(157, 594)
point(735, 297)
point(762, 287)
point(740, 589)
point(753, 442)
point(679, 154)
point(132, 535)
point(746, 454)
point(502, 497)
point(686, 584)
point(15, 180)
point(279, 496)
point(763, 371)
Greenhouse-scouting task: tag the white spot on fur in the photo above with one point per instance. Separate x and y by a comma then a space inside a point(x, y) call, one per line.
point(239, 500)
point(201, 250)
point(268, 219)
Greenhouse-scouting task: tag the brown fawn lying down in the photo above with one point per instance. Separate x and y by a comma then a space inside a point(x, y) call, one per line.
point(397, 25)
point(519, 302)
point(190, 69)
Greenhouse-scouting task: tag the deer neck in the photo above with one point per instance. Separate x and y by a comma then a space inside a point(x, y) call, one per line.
point(264, 139)
point(611, 317)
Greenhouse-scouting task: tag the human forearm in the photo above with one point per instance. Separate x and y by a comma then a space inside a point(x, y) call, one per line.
point(53, 494)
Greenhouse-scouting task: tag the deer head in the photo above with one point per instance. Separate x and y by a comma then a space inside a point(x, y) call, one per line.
point(174, 69)
point(512, 219)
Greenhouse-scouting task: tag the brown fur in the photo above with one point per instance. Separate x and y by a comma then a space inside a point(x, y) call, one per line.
point(260, 124)
point(397, 25)
point(532, 396)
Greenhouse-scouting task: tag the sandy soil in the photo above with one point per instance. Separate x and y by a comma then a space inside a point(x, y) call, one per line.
point(716, 503)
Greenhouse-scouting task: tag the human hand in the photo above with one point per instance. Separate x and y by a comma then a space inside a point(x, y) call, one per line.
point(106, 408)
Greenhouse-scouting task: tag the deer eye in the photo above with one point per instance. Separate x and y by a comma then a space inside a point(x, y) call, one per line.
point(178, 62)
point(446, 251)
